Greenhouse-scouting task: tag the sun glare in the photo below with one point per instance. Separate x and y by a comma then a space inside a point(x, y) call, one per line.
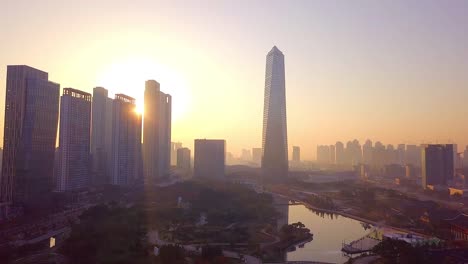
point(128, 76)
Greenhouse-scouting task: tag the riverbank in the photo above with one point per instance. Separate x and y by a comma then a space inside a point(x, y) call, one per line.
point(329, 235)
point(312, 207)
point(344, 214)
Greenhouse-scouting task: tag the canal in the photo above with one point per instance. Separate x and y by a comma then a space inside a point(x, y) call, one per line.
point(330, 231)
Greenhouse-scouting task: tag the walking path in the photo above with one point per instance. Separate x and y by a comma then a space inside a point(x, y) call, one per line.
point(153, 237)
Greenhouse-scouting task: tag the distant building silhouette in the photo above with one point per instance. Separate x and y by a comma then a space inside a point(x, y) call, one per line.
point(367, 152)
point(296, 154)
point(465, 158)
point(209, 159)
point(379, 155)
point(30, 130)
point(74, 140)
point(246, 155)
point(101, 136)
point(126, 141)
point(157, 132)
point(391, 157)
point(332, 154)
point(340, 153)
point(353, 153)
point(413, 155)
point(437, 164)
point(257, 155)
point(401, 154)
point(183, 159)
point(323, 154)
point(275, 138)
point(174, 147)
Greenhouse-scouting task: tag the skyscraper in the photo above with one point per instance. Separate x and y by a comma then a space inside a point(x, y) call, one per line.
point(437, 164)
point(275, 138)
point(401, 149)
point(74, 140)
point(296, 154)
point(156, 132)
point(367, 151)
point(183, 159)
point(126, 141)
point(209, 159)
point(101, 135)
point(323, 154)
point(379, 155)
point(332, 154)
point(30, 130)
point(413, 155)
point(340, 153)
point(174, 147)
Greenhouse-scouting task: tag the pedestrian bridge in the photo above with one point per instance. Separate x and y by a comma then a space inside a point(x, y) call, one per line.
point(363, 244)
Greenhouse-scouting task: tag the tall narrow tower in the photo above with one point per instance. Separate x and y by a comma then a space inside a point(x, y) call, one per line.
point(275, 138)
point(126, 141)
point(74, 140)
point(101, 136)
point(156, 132)
point(31, 115)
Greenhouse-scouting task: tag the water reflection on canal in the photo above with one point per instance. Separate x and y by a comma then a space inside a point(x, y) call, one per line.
point(330, 231)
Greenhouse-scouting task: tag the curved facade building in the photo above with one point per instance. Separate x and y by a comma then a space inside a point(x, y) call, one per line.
point(275, 137)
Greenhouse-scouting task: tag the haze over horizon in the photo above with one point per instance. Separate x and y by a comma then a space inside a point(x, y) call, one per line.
point(393, 71)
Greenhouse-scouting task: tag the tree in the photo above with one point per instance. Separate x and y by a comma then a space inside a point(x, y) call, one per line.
point(399, 251)
point(108, 235)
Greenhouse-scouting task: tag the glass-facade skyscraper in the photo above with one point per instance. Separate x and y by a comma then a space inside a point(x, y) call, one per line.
point(126, 141)
point(275, 138)
point(74, 140)
point(31, 115)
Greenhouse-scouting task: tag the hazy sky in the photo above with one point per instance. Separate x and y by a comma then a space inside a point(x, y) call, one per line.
point(395, 71)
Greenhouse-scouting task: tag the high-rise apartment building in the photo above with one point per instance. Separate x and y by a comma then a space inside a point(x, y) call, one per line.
point(209, 159)
point(436, 164)
point(275, 138)
point(340, 153)
point(323, 154)
point(296, 154)
point(101, 136)
point(126, 141)
point(74, 140)
point(353, 153)
point(183, 159)
point(174, 147)
point(156, 132)
point(401, 154)
point(332, 154)
point(30, 131)
point(367, 151)
point(413, 155)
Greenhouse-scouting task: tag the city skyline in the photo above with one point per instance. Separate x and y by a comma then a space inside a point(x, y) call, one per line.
point(354, 64)
point(216, 131)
